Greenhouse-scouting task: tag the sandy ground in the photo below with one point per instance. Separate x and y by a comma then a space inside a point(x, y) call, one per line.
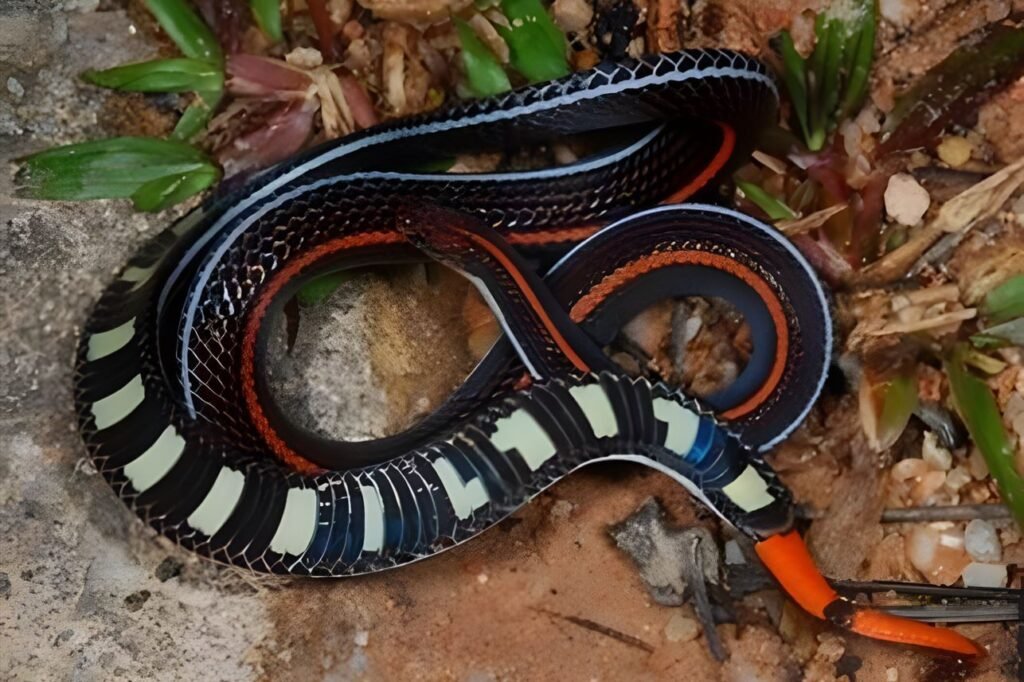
point(87, 593)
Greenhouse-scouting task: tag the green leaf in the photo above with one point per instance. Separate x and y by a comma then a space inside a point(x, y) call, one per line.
point(794, 76)
point(160, 75)
point(815, 79)
point(318, 289)
point(186, 29)
point(116, 168)
point(268, 16)
point(774, 207)
point(899, 403)
point(191, 122)
point(886, 403)
point(537, 47)
point(483, 72)
point(830, 85)
point(196, 115)
point(1005, 302)
point(1006, 334)
point(984, 363)
point(861, 51)
point(164, 192)
point(978, 408)
point(987, 342)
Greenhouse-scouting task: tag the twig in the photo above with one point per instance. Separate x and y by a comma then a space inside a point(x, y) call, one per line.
point(587, 624)
point(795, 226)
point(772, 163)
point(695, 578)
point(928, 295)
point(927, 323)
point(966, 512)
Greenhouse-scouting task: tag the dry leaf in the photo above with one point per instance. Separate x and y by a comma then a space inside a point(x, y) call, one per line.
point(809, 222)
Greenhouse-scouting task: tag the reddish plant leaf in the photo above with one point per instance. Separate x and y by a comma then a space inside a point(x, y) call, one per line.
point(229, 20)
point(284, 134)
point(254, 76)
point(823, 257)
point(325, 28)
point(867, 226)
point(363, 111)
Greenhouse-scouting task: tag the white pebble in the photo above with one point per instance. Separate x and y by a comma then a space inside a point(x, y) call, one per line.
point(897, 12)
point(305, 57)
point(937, 457)
point(957, 478)
point(982, 541)
point(892, 675)
point(906, 201)
point(572, 15)
point(937, 552)
point(926, 486)
point(362, 637)
point(906, 469)
point(15, 88)
point(984, 575)
point(977, 465)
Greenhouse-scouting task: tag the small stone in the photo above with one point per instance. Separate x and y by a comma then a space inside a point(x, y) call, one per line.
point(362, 637)
point(15, 88)
point(650, 328)
point(482, 578)
point(892, 675)
point(305, 57)
point(898, 12)
point(830, 648)
point(984, 575)
point(906, 201)
point(926, 486)
point(572, 15)
point(955, 150)
point(734, 553)
point(937, 457)
point(937, 551)
point(982, 542)
point(957, 478)
point(977, 465)
point(681, 628)
point(909, 468)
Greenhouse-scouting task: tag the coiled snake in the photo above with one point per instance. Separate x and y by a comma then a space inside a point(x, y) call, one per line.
point(172, 394)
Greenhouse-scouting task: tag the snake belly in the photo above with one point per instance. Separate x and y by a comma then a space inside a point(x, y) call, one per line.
point(170, 386)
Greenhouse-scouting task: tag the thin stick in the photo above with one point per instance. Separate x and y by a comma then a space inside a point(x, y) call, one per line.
point(965, 512)
point(968, 512)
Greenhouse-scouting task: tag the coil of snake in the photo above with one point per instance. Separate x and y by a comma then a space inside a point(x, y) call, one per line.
point(173, 400)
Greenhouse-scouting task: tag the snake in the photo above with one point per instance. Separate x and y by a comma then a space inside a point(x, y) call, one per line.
point(175, 405)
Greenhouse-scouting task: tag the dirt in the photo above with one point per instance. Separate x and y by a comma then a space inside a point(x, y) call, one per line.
point(86, 592)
